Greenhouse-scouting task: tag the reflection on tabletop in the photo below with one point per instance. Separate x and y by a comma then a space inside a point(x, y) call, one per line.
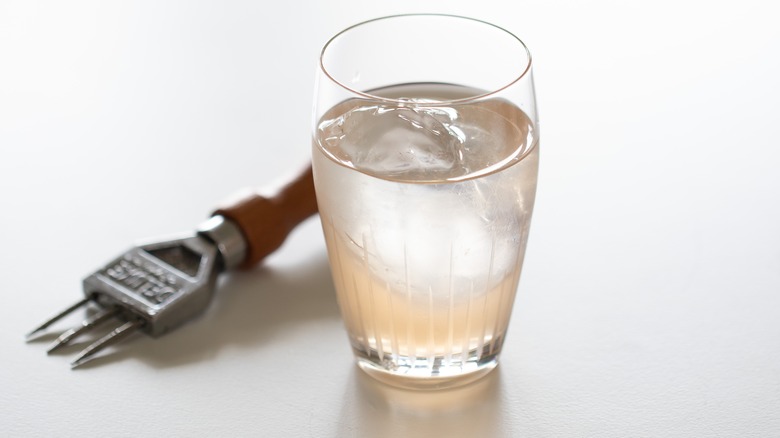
point(376, 409)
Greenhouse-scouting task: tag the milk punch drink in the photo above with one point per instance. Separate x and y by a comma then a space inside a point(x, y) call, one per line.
point(425, 200)
point(425, 154)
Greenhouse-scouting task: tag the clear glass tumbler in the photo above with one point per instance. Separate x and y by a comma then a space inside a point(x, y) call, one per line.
point(425, 157)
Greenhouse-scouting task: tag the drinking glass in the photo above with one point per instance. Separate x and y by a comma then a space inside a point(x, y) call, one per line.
point(425, 157)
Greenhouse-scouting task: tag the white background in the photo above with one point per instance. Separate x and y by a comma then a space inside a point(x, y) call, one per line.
point(649, 304)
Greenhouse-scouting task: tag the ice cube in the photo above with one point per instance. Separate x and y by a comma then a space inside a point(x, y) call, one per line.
point(415, 142)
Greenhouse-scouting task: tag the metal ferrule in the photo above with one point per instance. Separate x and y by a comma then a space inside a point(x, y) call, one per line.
point(227, 237)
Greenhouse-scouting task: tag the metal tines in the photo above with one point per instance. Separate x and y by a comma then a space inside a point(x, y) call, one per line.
point(152, 288)
point(120, 332)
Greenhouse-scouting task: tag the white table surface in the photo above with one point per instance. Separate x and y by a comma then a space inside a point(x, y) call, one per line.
point(650, 301)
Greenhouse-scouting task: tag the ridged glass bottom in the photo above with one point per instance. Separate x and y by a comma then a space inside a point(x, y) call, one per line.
point(438, 372)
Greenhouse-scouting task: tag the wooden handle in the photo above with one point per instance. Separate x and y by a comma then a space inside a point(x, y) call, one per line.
point(265, 221)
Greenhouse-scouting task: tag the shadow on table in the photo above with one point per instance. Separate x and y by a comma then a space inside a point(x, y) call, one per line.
point(249, 309)
point(379, 410)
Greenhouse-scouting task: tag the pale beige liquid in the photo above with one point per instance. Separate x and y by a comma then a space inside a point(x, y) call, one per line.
point(418, 326)
point(426, 262)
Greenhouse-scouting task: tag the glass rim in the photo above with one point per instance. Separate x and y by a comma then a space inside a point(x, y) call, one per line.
point(437, 103)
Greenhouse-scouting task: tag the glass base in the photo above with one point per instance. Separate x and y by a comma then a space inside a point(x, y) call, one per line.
point(424, 373)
